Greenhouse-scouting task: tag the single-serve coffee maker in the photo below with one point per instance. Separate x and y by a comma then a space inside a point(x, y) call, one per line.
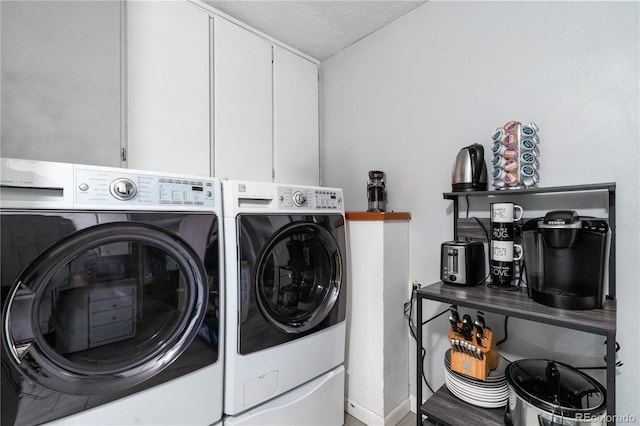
point(566, 259)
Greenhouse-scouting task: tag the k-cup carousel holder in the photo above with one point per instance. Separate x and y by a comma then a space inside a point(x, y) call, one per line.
point(515, 156)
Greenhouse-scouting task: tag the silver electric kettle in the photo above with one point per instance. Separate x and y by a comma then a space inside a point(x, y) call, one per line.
point(469, 170)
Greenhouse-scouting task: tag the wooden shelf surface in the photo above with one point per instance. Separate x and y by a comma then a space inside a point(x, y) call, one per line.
point(378, 216)
point(445, 408)
point(518, 304)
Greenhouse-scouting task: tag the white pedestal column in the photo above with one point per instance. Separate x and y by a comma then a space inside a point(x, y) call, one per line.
point(377, 358)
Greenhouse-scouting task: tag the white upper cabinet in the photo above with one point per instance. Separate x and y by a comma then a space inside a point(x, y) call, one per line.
point(295, 109)
point(61, 71)
point(155, 85)
point(169, 87)
point(242, 103)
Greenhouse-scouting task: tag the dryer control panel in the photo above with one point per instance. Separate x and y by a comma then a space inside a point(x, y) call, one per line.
point(309, 198)
point(110, 187)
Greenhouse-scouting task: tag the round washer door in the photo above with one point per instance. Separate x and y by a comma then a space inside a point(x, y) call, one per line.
point(298, 277)
point(72, 327)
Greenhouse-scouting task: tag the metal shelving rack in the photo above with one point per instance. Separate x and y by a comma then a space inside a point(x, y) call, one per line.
point(445, 408)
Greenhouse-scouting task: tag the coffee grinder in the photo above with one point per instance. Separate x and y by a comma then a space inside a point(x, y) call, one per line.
point(377, 191)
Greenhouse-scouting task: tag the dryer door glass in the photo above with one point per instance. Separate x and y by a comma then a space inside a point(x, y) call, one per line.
point(106, 308)
point(298, 277)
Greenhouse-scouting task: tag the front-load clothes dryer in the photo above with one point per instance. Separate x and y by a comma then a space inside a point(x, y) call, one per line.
point(112, 296)
point(286, 301)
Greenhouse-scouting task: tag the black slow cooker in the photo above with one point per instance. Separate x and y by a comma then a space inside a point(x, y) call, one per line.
point(548, 393)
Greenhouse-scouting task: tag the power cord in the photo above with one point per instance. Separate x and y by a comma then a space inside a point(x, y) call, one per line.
point(604, 367)
point(506, 332)
point(408, 313)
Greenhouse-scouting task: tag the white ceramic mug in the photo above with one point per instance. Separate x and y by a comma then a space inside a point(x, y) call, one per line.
point(505, 251)
point(505, 212)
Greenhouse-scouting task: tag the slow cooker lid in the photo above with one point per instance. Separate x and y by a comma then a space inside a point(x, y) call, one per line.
point(551, 385)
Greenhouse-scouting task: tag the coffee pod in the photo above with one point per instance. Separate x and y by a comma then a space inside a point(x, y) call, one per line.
point(535, 151)
point(498, 161)
point(498, 175)
point(528, 170)
point(510, 165)
point(502, 137)
point(529, 145)
point(510, 139)
point(510, 152)
point(497, 148)
point(529, 157)
point(529, 175)
point(510, 178)
point(535, 164)
point(511, 126)
point(527, 131)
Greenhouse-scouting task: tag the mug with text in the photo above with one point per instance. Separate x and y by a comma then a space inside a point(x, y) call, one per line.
point(503, 249)
point(505, 212)
point(501, 263)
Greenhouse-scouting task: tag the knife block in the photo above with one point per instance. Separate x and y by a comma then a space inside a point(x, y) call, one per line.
point(479, 365)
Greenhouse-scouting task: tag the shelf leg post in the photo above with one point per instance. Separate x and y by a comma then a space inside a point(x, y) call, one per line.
point(611, 377)
point(456, 211)
point(419, 360)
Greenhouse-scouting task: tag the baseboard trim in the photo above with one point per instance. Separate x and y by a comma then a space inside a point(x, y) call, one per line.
point(413, 405)
point(372, 419)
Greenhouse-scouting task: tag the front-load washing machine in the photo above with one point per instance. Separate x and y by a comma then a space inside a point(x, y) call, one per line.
point(286, 301)
point(112, 296)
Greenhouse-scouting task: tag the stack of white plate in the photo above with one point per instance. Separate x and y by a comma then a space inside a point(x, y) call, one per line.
point(491, 393)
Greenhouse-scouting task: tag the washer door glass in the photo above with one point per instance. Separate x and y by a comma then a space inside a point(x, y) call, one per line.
point(298, 277)
point(105, 309)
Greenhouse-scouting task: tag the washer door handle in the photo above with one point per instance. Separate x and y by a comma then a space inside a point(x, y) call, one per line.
point(15, 350)
point(337, 259)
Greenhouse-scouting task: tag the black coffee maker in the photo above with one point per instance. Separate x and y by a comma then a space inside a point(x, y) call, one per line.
point(566, 259)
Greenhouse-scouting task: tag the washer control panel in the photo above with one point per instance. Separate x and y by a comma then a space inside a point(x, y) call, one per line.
point(309, 198)
point(105, 187)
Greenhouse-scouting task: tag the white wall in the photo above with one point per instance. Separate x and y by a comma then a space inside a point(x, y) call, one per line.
point(406, 98)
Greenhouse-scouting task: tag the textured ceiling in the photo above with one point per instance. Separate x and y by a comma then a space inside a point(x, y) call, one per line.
point(318, 28)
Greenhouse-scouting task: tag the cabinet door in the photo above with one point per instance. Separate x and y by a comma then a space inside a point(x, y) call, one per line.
point(61, 93)
point(168, 77)
point(295, 109)
point(243, 103)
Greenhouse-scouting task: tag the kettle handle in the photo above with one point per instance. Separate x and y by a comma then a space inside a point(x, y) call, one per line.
point(477, 160)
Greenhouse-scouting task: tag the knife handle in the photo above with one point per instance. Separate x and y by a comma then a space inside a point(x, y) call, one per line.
point(480, 320)
point(454, 318)
point(467, 326)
